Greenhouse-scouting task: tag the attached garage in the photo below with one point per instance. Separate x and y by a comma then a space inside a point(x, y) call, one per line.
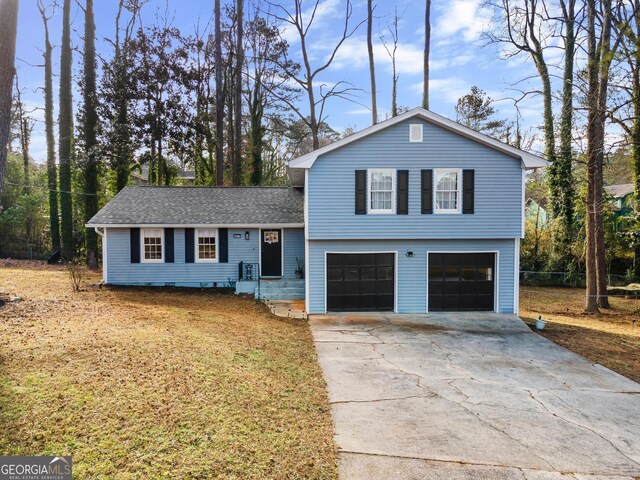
point(461, 282)
point(360, 281)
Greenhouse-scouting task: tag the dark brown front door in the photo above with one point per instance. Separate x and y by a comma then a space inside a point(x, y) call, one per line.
point(360, 281)
point(271, 253)
point(461, 282)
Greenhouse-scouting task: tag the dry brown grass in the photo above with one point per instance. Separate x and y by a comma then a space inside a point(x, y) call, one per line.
point(158, 383)
point(610, 338)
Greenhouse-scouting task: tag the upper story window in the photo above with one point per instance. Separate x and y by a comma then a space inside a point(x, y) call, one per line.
point(447, 190)
point(206, 239)
point(382, 191)
point(152, 244)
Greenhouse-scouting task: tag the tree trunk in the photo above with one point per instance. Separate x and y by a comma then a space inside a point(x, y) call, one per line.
point(257, 131)
point(601, 108)
point(219, 98)
point(237, 128)
point(65, 132)
point(427, 47)
point(89, 130)
point(591, 299)
point(564, 163)
point(372, 66)
point(8, 31)
point(52, 171)
point(635, 137)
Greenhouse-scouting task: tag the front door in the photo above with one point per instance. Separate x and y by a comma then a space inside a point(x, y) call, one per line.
point(271, 256)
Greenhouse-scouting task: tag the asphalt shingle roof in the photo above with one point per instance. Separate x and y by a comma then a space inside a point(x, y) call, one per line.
point(202, 205)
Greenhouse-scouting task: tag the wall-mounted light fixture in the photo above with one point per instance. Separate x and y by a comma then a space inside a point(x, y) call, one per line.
point(409, 253)
point(246, 235)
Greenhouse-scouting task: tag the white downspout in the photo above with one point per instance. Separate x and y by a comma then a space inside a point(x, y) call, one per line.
point(103, 236)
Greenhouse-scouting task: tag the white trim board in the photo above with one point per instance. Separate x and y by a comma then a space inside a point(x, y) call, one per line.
point(306, 243)
point(357, 252)
point(496, 284)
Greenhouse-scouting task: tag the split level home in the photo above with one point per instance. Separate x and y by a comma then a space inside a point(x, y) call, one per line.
point(415, 214)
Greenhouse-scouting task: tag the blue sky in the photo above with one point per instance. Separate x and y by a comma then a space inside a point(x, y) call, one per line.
point(460, 56)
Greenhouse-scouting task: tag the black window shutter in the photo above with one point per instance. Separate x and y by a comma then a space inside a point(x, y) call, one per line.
point(134, 234)
point(402, 207)
point(427, 191)
point(189, 245)
point(223, 245)
point(168, 245)
point(468, 180)
point(361, 192)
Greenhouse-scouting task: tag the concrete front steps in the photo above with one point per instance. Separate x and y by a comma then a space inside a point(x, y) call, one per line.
point(281, 289)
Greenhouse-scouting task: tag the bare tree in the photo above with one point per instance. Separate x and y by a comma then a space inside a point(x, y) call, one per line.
point(237, 127)
point(427, 48)
point(529, 27)
point(306, 76)
point(600, 54)
point(393, 30)
point(219, 97)
point(523, 29)
point(8, 31)
point(25, 126)
point(65, 133)
point(372, 66)
point(627, 114)
point(52, 171)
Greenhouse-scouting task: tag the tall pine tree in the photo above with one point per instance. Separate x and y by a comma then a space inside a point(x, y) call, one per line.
point(89, 127)
point(65, 129)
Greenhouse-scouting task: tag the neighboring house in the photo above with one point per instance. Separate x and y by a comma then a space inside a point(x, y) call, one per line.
point(415, 214)
point(534, 212)
point(622, 198)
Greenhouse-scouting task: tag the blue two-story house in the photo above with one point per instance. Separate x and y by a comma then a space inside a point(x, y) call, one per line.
point(415, 214)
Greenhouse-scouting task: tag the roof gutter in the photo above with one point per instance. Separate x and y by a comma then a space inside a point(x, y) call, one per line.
point(192, 225)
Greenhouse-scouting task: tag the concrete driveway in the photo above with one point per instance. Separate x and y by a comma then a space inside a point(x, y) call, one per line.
point(471, 396)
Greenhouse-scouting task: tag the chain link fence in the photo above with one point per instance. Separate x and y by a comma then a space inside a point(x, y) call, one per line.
point(569, 279)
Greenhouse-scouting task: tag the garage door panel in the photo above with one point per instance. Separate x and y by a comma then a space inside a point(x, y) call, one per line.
point(360, 281)
point(461, 281)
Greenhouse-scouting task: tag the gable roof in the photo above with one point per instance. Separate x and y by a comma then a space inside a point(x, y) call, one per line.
point(619, 191)
point(529, 160)
point(241, 206)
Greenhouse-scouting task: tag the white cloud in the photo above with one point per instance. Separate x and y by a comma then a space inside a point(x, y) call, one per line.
point(447, 89)
point(462, 17)
point(359, 111)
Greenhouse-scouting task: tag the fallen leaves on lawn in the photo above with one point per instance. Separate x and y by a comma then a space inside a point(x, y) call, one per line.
point(158, 383)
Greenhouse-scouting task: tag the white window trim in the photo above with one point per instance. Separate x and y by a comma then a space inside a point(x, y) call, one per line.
point(378, 211)
point(441, 171)
point(197, 249)
point(142, 251)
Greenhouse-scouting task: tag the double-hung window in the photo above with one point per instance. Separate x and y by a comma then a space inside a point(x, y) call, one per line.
point(152, 239)
point(447, 191)
point(206, 243)
point(382, 184)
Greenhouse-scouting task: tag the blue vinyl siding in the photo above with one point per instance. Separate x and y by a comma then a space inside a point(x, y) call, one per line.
point(411, 272)
point(120, 271)
point(293, 247)
point(498, 188)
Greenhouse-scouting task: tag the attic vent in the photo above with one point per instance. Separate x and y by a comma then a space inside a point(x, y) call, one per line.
point(415, 132)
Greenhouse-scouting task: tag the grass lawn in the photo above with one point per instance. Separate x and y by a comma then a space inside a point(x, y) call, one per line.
point(610, 338)
point(155, 383)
